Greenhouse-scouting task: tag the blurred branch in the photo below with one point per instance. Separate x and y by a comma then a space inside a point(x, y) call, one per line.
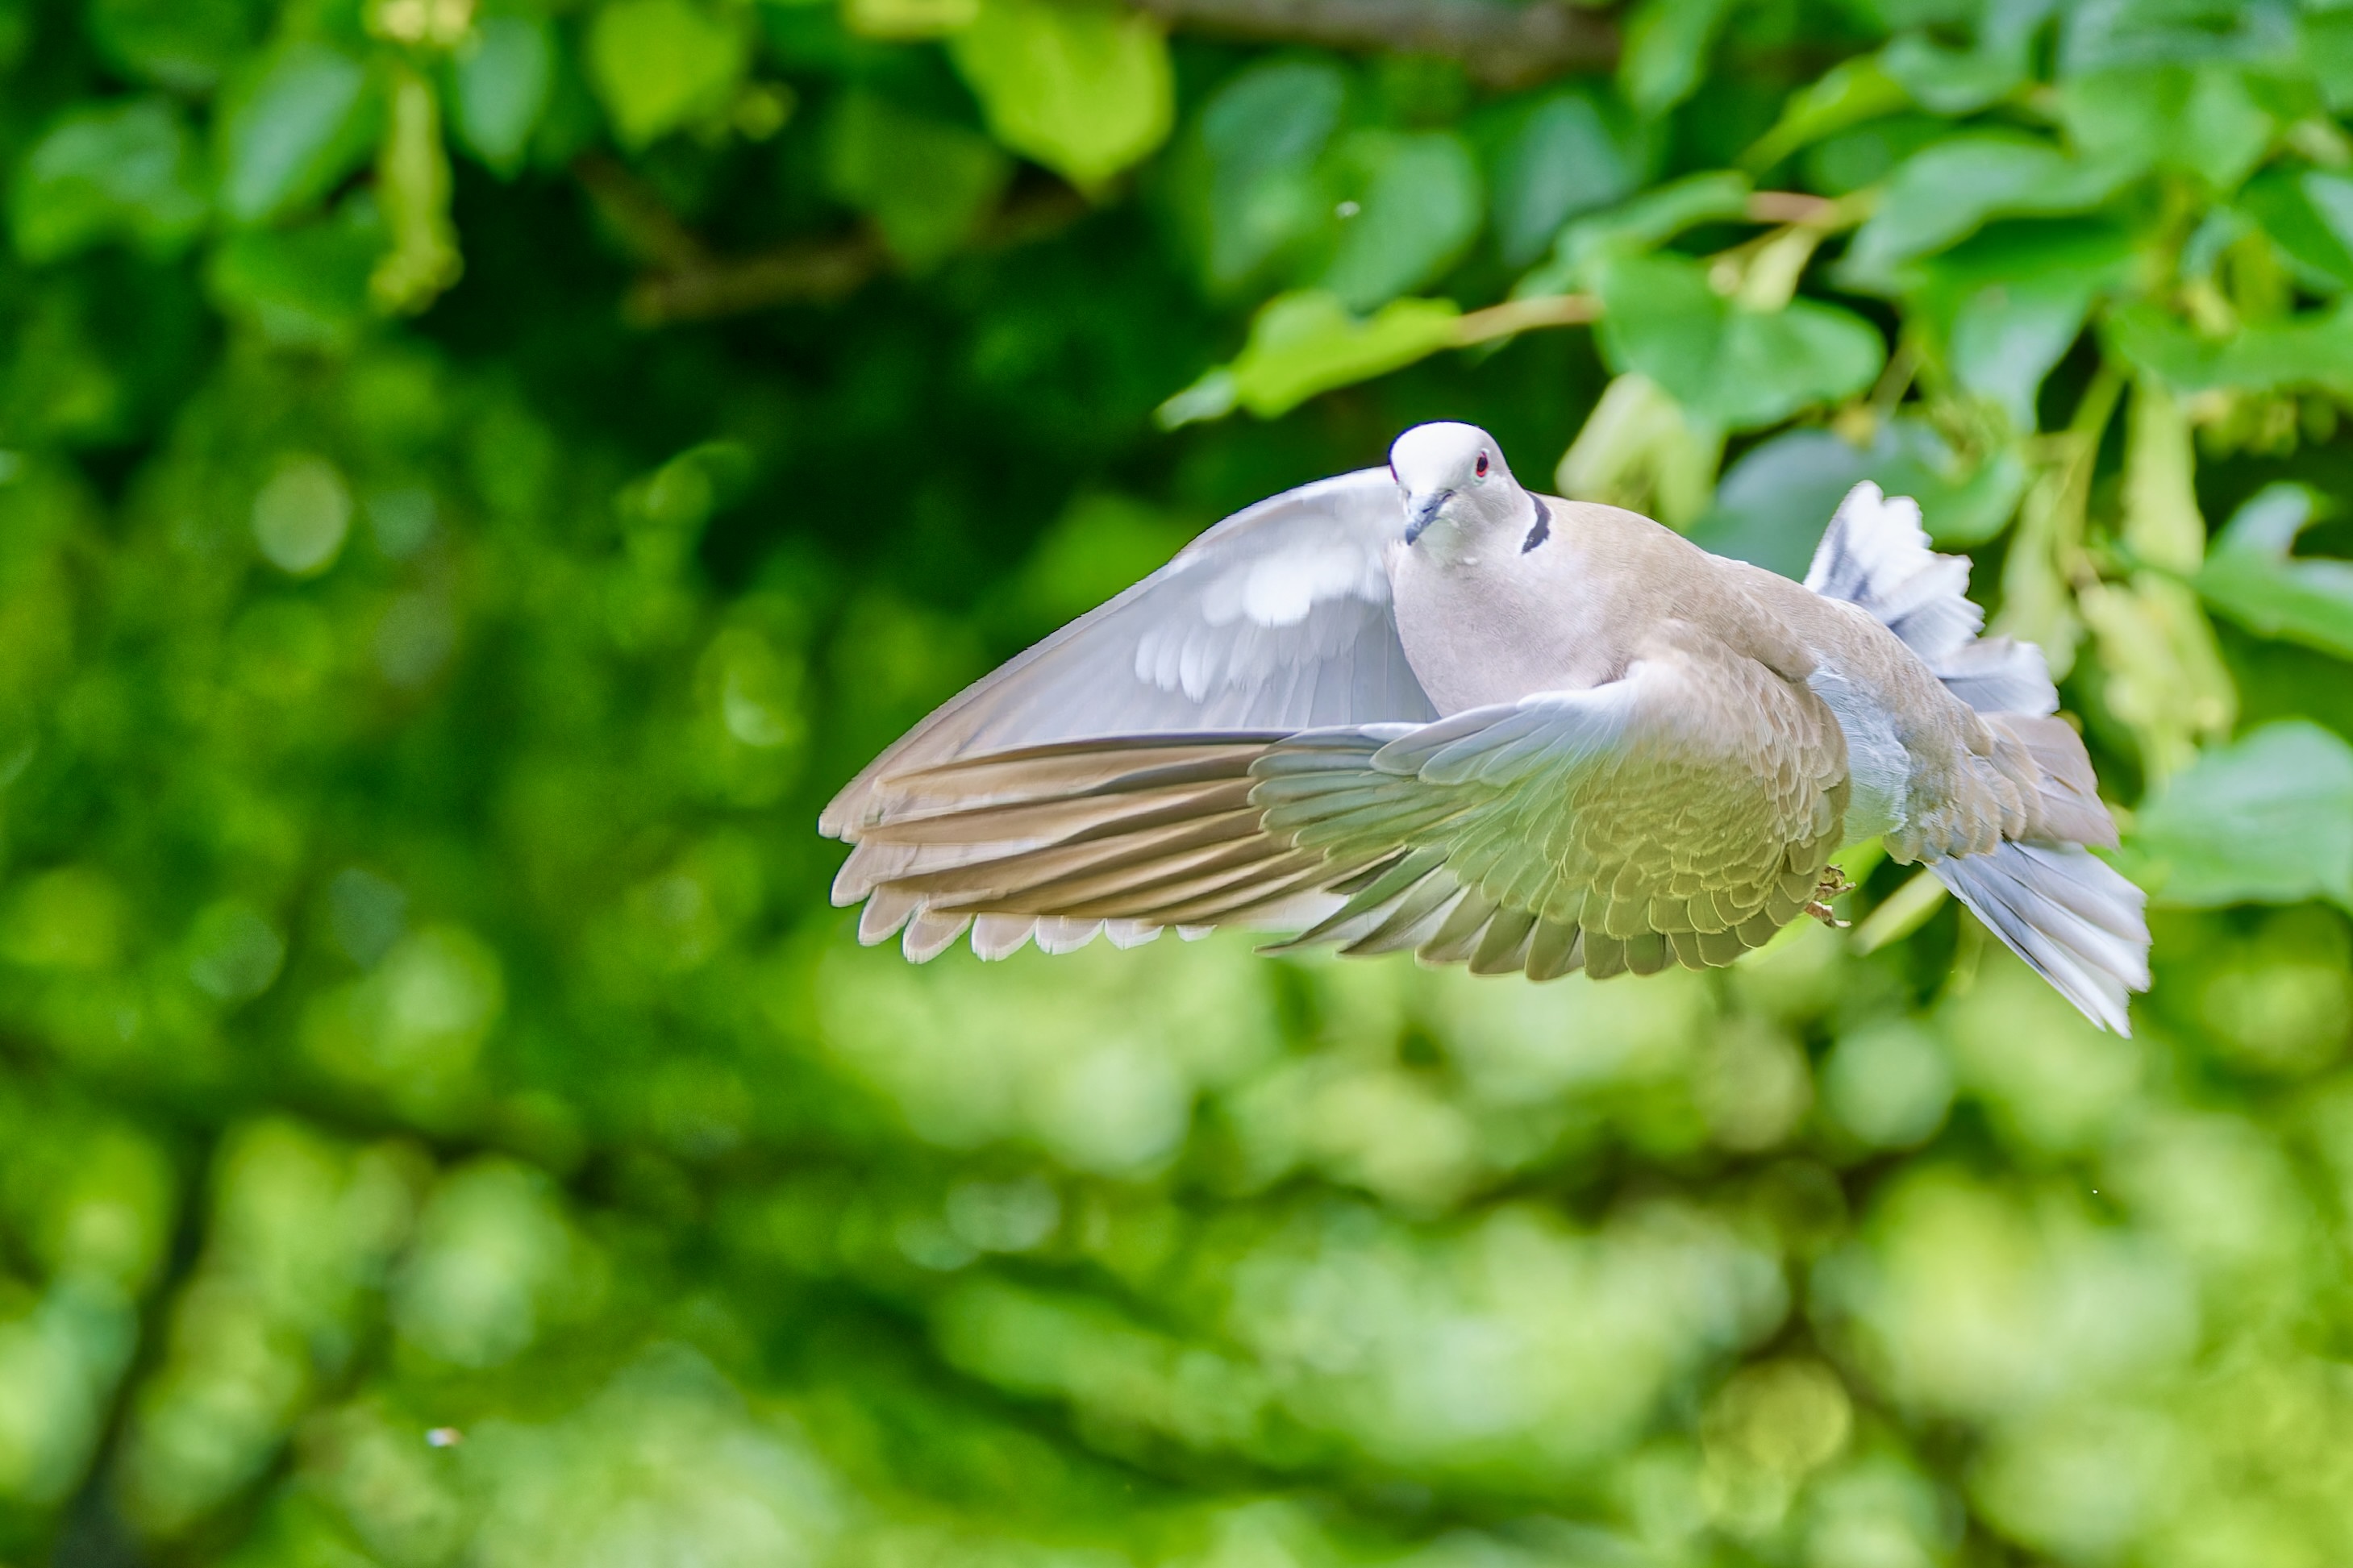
point(1520, 315)
point(803, 272)
point(1501, 44)
point(686, 281)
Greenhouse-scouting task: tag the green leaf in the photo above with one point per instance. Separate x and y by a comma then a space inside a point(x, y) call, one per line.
point(2204, 120)
point(1638, 224)
point(659, 64)
point(1640, 449)
point(927, 183)
point(2268, 820)
point(2313, 350)
point(187, 46)
point(1848, 94)
point(1667, 43)
point(1571, 151)
point(2309, 215)
point(123, 171)
point(1730, 368)
point(2009, 303)
point(502, 80)
point(1419, 211)
point(1259, 137)
point(1306, 343)
point(2119, 33)
point(1775, 501)
point(2250, 577)
point(1960, 81)
point(2326, 51)
point(1948, 190)
point(1849, 161)
point(1084, 89)
point(306, 285)
point(288, 133)
point(2006, 337)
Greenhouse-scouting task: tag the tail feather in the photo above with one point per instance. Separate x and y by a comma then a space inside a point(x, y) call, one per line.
point(1875, 556)
point(2074, 919)
point(2063, 798)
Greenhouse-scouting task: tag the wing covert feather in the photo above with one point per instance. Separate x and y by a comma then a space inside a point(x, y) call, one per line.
point(1680, 815)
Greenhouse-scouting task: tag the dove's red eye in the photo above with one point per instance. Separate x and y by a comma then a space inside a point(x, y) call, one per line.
point(1482, 464)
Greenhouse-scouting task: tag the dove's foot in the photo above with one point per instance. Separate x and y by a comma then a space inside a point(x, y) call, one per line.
point(1833, 884)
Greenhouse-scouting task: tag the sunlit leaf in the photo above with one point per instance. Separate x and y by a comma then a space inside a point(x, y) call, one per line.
point(1733, 368)
point(1084, 89)
point(660, 64)
point(1305, 342)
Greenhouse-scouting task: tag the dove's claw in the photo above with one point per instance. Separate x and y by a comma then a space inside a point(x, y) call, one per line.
point(1833, 884)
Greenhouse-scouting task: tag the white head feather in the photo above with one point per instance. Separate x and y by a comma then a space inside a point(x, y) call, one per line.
point(1457, 487)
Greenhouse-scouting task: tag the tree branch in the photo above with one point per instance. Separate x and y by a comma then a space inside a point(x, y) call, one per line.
point(805, 272)
point(685, 281)
point(1501, 44)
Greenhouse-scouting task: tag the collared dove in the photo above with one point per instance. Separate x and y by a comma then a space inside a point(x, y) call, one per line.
point(1423, 708)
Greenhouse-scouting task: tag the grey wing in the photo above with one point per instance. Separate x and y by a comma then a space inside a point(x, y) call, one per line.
point(1276, 619)
point(1681, 813)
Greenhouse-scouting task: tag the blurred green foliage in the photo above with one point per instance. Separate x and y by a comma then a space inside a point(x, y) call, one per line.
point(474, 477)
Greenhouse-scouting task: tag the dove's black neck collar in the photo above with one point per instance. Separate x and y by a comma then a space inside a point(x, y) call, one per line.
point(1542, 529)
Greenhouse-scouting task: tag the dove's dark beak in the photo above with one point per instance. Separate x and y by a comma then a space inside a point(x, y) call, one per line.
point(1422, 512)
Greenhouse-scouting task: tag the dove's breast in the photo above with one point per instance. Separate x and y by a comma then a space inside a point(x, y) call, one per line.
point(1565, 616)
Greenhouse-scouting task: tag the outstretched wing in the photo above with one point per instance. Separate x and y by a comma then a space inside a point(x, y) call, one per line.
point(1681, 813)
point(1275, 620)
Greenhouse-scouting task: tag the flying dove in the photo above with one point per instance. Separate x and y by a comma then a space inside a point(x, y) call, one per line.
point(1423, 708)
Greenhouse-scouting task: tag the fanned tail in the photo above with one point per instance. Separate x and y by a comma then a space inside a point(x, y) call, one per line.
point(2076, 921)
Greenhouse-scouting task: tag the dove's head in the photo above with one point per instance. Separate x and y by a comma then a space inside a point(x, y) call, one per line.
point(1454, 480)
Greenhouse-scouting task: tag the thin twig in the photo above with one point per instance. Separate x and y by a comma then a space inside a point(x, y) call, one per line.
point(1520, 315)
point(1503, 44)
point(1790, 206)
point(636, 216)
point(685, 281)
point(806, 272)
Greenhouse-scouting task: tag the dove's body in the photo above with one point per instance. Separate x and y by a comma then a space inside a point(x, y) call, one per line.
point(1520, 732)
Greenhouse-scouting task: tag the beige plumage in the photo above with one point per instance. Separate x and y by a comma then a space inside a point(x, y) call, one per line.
point(1423, 709)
